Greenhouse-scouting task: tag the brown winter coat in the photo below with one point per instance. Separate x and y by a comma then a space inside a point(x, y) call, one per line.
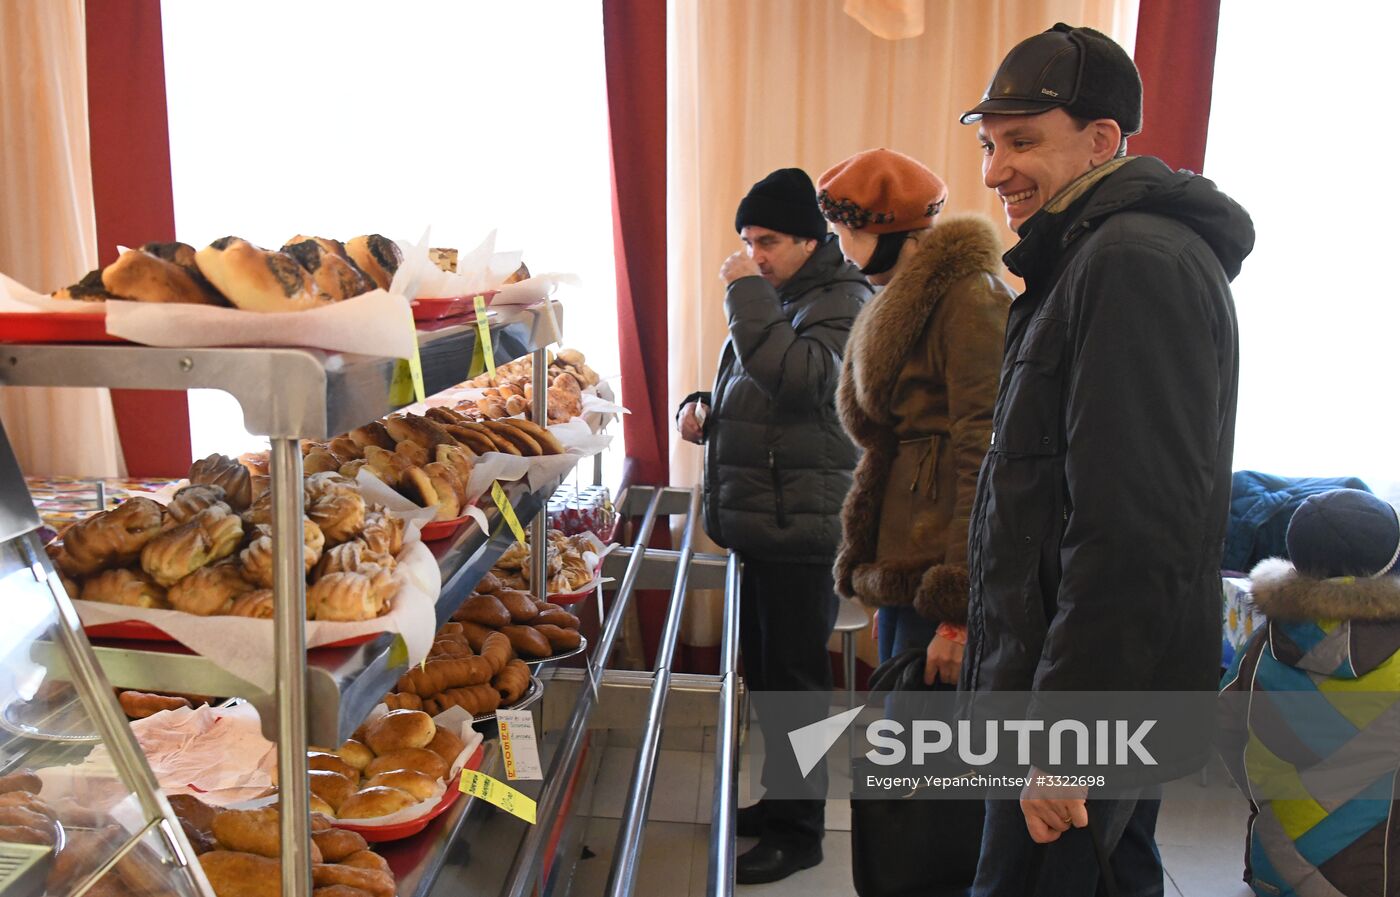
point(916, 394)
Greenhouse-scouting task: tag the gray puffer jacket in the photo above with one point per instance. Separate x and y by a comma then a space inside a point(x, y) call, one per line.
point(777, 463)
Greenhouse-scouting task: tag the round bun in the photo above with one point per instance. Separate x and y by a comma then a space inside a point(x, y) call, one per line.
point(446, 745)
point(418, 759)
point(332, 787)
point(415, 783)
point(320, 806)
point(400, 729)
point(355, 753)
point(376, 801)
point(333, 763)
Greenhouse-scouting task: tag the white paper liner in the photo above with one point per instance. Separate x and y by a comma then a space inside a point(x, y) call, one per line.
point(16, 297)
point(374, 323)
point(479, 270)
point(217, 754)
point(243, 646)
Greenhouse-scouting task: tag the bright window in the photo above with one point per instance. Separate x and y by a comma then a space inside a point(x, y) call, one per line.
point(342, 118)
point(1297, 135)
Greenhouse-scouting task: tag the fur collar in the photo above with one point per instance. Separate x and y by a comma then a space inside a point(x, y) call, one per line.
point(1281, 593)
point(889, 324)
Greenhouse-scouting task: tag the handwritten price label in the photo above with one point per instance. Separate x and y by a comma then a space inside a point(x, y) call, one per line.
point(503, 505)
point(478, 784)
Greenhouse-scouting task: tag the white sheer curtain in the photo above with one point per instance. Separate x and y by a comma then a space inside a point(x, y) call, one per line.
point(48, 232)
point(1305, 151)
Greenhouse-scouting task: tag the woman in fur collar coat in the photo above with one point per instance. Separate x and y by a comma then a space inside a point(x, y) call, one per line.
point(916, 394)
point(1307, 715)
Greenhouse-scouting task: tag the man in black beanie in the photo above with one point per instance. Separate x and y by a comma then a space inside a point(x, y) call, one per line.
point(777, 467)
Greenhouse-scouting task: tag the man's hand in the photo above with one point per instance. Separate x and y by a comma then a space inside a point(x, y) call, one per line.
point(943, 661)
point(1050, 810)
point(690, 423)
point(736, 266)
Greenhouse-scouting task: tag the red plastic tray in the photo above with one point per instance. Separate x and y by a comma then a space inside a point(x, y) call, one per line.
point(442, 529)
point(140, 630)
point(437, 308)
point(55, 327)
point(376, 833)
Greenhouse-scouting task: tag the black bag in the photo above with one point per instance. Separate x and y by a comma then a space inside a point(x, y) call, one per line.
point(902, 847)
point(920, 847)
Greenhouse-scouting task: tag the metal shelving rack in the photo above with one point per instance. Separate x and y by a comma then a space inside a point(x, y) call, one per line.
point(472, 849)
point(289, 394)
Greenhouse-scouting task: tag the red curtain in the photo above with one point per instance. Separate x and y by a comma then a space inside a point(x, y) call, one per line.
point(1176, 55)
point(634, 38)
point(634, 42)
point(132, 194)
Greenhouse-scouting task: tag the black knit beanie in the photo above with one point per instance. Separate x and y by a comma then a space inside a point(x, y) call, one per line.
point(785, 201)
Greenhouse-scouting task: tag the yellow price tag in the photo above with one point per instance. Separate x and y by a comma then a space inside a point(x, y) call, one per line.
point(483, 335)
point(398, 651)
point(503, 505)
point(401, 387)
point(415, 370)
point(478, 784)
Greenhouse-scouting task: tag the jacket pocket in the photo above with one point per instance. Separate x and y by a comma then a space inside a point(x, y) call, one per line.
point(777, 475)
point(1030, 417)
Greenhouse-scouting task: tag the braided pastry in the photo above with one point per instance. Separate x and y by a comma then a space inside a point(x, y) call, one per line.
point(383, 533)
point(342, 596)
point(230, 475)
point(128, 587)
point(190, 500)
point(256, 604)
point(209, 590)
point(336, 506)
point(210, 535)
point(111, 538)
point(259, 558)
point(348, 557)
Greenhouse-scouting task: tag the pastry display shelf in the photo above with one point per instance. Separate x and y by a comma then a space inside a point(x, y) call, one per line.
point(342, 684)
point(287, 392)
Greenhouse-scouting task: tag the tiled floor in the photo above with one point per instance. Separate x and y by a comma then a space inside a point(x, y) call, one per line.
point(1200, 832)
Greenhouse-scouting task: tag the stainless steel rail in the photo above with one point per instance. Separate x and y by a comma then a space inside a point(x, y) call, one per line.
point(622, 879)
point(525, 870)
point(721, 874)
point(289, 625)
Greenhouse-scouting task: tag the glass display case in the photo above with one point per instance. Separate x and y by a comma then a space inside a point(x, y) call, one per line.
point(80, 812)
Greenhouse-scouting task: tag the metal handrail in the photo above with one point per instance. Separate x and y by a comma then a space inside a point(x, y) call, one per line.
point(623, 876)
point(525, 870)
point(289, 625)
point(721, 873)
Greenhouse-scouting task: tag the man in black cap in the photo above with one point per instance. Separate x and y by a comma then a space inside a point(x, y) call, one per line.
point(777, 467)
point(1096, 537)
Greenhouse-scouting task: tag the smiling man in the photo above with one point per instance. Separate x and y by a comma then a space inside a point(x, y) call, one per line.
point(1098, 528)
point(777, 467)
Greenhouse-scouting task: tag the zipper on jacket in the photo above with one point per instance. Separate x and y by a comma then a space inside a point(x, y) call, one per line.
point(777, 489)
